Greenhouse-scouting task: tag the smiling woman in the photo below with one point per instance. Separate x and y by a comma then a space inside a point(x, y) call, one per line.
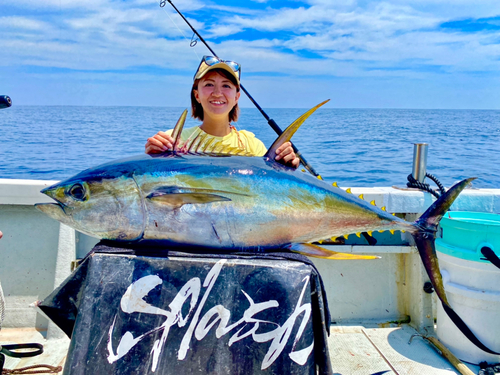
point(214, 101)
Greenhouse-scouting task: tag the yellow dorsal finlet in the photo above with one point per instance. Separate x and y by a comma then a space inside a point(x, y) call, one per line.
point(208, 144)
point(320, 178)
point(358, 234)
point(335, 184)
point(361, 196)
point(373, 203)
point(383, 208)
point(348, 190)
point(391, 230)
point(370, 233)
point(334, 239)
point(346, 236)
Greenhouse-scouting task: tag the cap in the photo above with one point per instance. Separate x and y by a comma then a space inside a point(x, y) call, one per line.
point(209, 63)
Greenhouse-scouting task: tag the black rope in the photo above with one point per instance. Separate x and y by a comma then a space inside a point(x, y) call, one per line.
point(412, 183)
point(486, 369)
point(12, 350)
point(35, 349)
point(436, 181)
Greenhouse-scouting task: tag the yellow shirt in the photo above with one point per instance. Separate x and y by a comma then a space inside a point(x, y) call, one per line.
point(199, 141)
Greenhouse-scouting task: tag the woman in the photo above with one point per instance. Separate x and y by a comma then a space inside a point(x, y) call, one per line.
point(214, 100)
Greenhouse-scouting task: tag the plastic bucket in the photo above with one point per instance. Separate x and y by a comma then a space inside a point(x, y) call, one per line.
point(471, 282)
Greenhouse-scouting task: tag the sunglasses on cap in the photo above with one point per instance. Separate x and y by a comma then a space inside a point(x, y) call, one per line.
point(208, 61)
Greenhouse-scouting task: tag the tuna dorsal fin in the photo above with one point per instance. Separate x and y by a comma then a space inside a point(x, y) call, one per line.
point(290, 131)
point(176, 133)
point(320, 252)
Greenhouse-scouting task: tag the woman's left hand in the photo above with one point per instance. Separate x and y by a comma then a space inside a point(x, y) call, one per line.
point(285, 155)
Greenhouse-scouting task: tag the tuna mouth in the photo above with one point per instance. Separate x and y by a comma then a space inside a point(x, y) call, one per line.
point(54, 210)
point(54, 193)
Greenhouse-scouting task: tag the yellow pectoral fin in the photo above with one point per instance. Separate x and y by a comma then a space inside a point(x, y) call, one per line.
point(178, 200)
point(320, 252)
point(176, 196)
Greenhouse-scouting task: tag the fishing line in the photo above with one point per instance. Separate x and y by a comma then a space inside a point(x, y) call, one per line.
point(192, 42)
point(64, 150)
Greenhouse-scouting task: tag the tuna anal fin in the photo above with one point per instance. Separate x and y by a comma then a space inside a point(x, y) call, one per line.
point(320, 252)
point(290, 131)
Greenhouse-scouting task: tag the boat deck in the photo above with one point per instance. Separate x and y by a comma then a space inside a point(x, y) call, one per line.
point(355, 350)
point(358, 350)
point(54, 350)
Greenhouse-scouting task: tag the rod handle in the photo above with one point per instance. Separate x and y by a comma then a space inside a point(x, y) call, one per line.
point(459, 365)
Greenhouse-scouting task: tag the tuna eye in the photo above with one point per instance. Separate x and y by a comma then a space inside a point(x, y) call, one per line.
point(78, 192)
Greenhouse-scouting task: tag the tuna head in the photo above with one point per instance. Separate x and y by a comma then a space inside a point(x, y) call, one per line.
point(100, 205)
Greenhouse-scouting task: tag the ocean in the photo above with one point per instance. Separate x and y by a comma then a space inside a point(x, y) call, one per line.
point(353, 147)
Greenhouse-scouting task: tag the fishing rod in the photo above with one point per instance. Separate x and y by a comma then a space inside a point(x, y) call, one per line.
point(270, 121)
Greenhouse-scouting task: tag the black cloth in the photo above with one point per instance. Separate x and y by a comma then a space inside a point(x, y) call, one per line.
point(114, 330)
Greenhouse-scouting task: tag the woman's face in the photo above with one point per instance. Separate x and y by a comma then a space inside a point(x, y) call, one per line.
point(217, 95)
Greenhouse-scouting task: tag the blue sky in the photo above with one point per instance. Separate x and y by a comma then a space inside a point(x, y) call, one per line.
point(359, 54)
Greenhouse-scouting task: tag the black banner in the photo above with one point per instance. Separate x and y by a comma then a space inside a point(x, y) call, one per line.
point(130, 314)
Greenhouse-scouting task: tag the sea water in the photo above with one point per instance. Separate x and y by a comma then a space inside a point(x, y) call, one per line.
point(354, 147)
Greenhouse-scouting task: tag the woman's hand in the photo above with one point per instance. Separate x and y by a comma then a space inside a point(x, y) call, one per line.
point(159, 143)
point(285, 155)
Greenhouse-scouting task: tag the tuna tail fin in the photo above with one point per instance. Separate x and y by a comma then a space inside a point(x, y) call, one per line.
point(290, 131)
point(176, 133)
point(431, 218)
point(426, 233)
point(424, 237)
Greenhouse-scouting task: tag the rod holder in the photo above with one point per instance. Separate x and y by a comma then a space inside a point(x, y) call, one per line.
point(419, 161)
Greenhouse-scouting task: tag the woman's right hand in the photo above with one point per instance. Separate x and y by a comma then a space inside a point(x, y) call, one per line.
point(159, 143)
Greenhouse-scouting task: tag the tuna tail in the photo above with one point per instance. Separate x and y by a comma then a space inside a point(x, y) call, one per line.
point(290, 131)
point(424, 237)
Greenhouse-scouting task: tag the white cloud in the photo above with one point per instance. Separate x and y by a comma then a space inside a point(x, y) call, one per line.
point(16, 22)
point(383, 35)
point(393, 38)
point(55, 4)
point(454, 9)
point(224, 30)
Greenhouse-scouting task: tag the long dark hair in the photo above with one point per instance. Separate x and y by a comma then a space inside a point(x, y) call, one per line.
point(197, 109)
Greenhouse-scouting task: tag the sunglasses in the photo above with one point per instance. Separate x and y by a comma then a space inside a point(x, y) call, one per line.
point(208, 61)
